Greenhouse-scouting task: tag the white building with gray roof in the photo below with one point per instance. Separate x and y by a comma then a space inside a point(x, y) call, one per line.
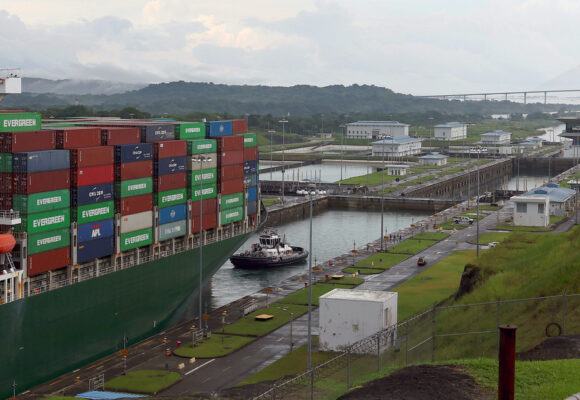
point(450, 131)
point(396, 147)
point(376, 130)
point(433, 159)
point(562, 200)
point(496, 138)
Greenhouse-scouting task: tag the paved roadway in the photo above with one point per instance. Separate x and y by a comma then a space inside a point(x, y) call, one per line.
point(210, 375)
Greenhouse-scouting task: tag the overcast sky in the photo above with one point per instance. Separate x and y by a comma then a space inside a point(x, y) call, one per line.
point(410, 46)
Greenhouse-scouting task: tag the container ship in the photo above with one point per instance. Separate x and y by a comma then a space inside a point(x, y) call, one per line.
point(100, 231)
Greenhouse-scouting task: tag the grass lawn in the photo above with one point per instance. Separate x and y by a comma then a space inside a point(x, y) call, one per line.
point(431, 236)
point(374, 179)
point(535, 380)
point(508, 226)
point(485, 238)
point(382, 261)
point(145, 381)
point(346, 280)
point(450, 225)
point(248, 326)
point(268, 201)
point(433, 285)
point(60, 398)
point(487, 207)
point(291, 364)
point(554, 219)
point(362, 271)
point(318, 289)
point(217, 345)
point(410, 246)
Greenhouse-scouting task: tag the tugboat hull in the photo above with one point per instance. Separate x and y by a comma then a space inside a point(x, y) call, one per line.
point(253, 262)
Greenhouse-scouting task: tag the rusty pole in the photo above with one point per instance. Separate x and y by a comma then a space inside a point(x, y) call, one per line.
point(507, 362)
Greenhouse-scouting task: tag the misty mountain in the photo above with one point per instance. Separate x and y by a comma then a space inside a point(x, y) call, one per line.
point(76, 86)
point(186, 97)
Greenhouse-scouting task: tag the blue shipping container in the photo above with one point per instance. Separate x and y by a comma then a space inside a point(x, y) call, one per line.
point(253, 193)
point(252, 207)
point(40, 161)
point(219, 128)
point(84, 195)
point(95, 230)
point(92, 249)
point(251, 180)
point(153, 133)
point(171, 165)
point(133, 152)
point(250, 167)
point(172, 214)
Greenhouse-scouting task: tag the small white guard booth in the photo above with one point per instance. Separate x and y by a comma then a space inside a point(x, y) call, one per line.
point(347, 316)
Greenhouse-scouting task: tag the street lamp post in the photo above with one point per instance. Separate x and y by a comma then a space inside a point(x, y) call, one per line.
point(283, 121)
point(200, 239)
point(383, 201)
point(291, 339)
point(271, 131)
point(309, 360)
point(477, 205)
point(342, 126)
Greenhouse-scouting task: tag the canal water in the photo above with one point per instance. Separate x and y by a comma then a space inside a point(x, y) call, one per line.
point(335, 232)
point(325, 172)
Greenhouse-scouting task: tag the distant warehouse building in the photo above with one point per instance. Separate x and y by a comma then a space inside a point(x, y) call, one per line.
point(450, 131)
point(376, 129)
point(396, 147)
point(433, 159)
point(496, 138)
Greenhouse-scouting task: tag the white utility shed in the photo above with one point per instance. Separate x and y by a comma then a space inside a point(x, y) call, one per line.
point(347, 316)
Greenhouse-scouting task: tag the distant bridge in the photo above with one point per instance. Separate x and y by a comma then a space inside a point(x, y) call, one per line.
point(469, 96)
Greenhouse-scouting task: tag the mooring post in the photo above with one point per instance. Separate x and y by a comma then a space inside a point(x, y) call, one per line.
point(507, 362)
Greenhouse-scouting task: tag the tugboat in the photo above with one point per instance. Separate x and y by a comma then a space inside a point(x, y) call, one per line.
point(270, 252)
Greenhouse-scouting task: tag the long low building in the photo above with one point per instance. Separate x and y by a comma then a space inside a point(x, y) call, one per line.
point(396, 147)
point(450, 131)
point(376, 129)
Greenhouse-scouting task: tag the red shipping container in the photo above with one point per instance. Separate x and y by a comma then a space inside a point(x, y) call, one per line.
point(5, 182)
point(230, 187)
point(111, 136)
point(230, 157)
point(170, 148)
point(250, 153)
point(6, 201)
point(229, 143)
point(229, 172)
point(41, 181)
point(16, 142)
point(133, 170)
point(134, 205)
point(73, 138)
point(240, 126)
point(162, 183)
point(209, 207)
point(92, 156)
point(48, 261)
point(209, 222)
point(92, 175)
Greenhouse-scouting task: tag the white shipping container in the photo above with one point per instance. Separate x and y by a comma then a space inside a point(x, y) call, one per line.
point(135, 222)
point(347, 316)
point(172, 230)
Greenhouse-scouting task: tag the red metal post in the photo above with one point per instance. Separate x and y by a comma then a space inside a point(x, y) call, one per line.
point(507, 362)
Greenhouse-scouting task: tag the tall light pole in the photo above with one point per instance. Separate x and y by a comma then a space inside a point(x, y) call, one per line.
point(477, 204)
point(271, 131)
point(342, 126)
point(383, 199)
point(283, 121)
point(200, 238)
point(309, 360)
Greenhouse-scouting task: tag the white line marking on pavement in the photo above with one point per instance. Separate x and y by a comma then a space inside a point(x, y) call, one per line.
point(202, 365)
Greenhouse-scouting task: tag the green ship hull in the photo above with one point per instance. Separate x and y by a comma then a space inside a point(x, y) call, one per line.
point(46, 335)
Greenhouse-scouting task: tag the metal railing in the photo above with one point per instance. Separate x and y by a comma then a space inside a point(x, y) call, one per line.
point(439, 334)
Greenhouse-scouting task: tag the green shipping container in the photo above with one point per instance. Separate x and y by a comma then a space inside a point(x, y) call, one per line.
point(201, 146)
point(209, 176)
point(46, 241)
point(17, 122)
point(5, 162)
point(171, 197)
point(41, 202)
point(232, 215)
point(131, 240)
point(232, 200)
point(209, 192)
point(190, 130)
point(250, 140)
point(44, 222)
point(133, 187)
point(172, 230)
point(94, 212)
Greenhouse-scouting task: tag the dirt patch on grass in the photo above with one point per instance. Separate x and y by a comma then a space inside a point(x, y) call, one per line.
point(553, 348)
point(422, 382)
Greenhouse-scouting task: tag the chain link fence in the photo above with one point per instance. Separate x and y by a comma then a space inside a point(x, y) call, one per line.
point(439, 334)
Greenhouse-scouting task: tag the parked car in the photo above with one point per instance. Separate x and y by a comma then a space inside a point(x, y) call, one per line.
point(463, 220)
point(492, 244)
point(421, 261)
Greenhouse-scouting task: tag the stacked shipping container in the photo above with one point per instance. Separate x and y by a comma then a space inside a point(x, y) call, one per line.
point(75, 179)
